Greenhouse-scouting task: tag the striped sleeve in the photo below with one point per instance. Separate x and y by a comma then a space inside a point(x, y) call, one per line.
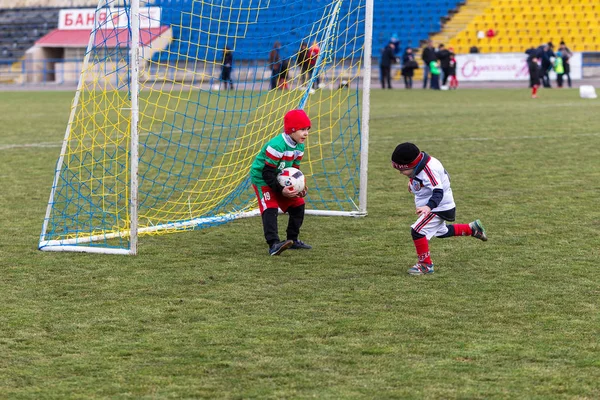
point(273, 156)
point(297, 158)
point(433, 177)
point(435, 181)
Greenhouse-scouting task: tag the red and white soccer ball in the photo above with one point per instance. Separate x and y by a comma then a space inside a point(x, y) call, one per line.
point(292, 177)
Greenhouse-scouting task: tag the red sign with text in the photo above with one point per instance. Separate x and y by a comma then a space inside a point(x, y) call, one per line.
point(106, 18)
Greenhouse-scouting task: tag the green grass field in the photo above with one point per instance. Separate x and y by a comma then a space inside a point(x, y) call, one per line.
point(207, 314)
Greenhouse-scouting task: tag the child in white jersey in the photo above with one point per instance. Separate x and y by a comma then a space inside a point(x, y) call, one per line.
point(430, 183)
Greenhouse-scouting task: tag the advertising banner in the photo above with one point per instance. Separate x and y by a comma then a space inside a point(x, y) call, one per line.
point(106, 18)
point(503, 67)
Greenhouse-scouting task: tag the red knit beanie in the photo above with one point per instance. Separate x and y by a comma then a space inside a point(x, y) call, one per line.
point(295, 120)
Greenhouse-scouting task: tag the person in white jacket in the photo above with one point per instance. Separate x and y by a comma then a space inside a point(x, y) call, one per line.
point(430, 184)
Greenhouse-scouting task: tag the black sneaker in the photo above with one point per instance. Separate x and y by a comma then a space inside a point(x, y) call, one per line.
point(279, 247)
point(299, 244)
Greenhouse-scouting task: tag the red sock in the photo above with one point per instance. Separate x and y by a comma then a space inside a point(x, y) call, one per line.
point(534, 90)
point(462, 230)
point(422, 246)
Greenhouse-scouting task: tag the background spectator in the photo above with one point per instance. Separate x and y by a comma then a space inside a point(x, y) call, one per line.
point(395, 40)
point(434, 66)
point(428, 55)
point(313, 56)
point(547, 64)
point(534, 75)
point(283, 74)
point(275, 64)
point(227, 67)
point(444, 56)
point(452, 70)
point(303, 62)
point(474, 49)
point(566, 55)
point(385, 65)
point(409, 64)
point(559, 68)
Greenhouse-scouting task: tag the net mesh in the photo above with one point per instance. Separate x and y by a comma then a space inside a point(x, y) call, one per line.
point(216, 78)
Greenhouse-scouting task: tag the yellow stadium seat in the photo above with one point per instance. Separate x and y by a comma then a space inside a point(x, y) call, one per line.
point(524, 23)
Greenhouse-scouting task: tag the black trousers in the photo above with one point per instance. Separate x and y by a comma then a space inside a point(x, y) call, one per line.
point(274, 77)
point(435, 82)
point(269, 219)
point(386, 77)
point(446, 72)
point(546, 79)
point(226, 76)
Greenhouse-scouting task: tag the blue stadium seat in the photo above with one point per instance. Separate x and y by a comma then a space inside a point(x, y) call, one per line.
point(411, 20)
point(21, 27)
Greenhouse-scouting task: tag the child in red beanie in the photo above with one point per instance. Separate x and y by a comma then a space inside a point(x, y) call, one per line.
point(283, 151)
point(430, 183)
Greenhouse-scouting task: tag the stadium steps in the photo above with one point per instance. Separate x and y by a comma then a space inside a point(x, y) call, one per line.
point(521, 24)
point(459, 22)
point(456, 24)
point(21, 27)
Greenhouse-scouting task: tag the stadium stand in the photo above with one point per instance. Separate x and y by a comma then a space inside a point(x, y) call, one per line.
point(24, 21)
point(21, 27)
point(413, 21)
point(521, 24)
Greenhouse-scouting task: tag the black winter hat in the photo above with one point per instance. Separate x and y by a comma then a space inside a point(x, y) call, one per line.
point(405, 153)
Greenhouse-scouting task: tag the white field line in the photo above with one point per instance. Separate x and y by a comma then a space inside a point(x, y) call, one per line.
point(524, 137)
point(482, 139)
point(29, 145)
point(59, 144)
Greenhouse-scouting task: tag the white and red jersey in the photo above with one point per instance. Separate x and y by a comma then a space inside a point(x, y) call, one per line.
point(430, 176)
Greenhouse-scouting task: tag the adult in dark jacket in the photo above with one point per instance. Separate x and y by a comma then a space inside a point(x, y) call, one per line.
point(226, 67)
point(275, 64)
point(303, 61)
point(409, 64)
point(566, 56)
point(428, 55)
point(547, 64)
point(531, 52)
point(395, 40)
point(385, 65)
point(444, 56)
